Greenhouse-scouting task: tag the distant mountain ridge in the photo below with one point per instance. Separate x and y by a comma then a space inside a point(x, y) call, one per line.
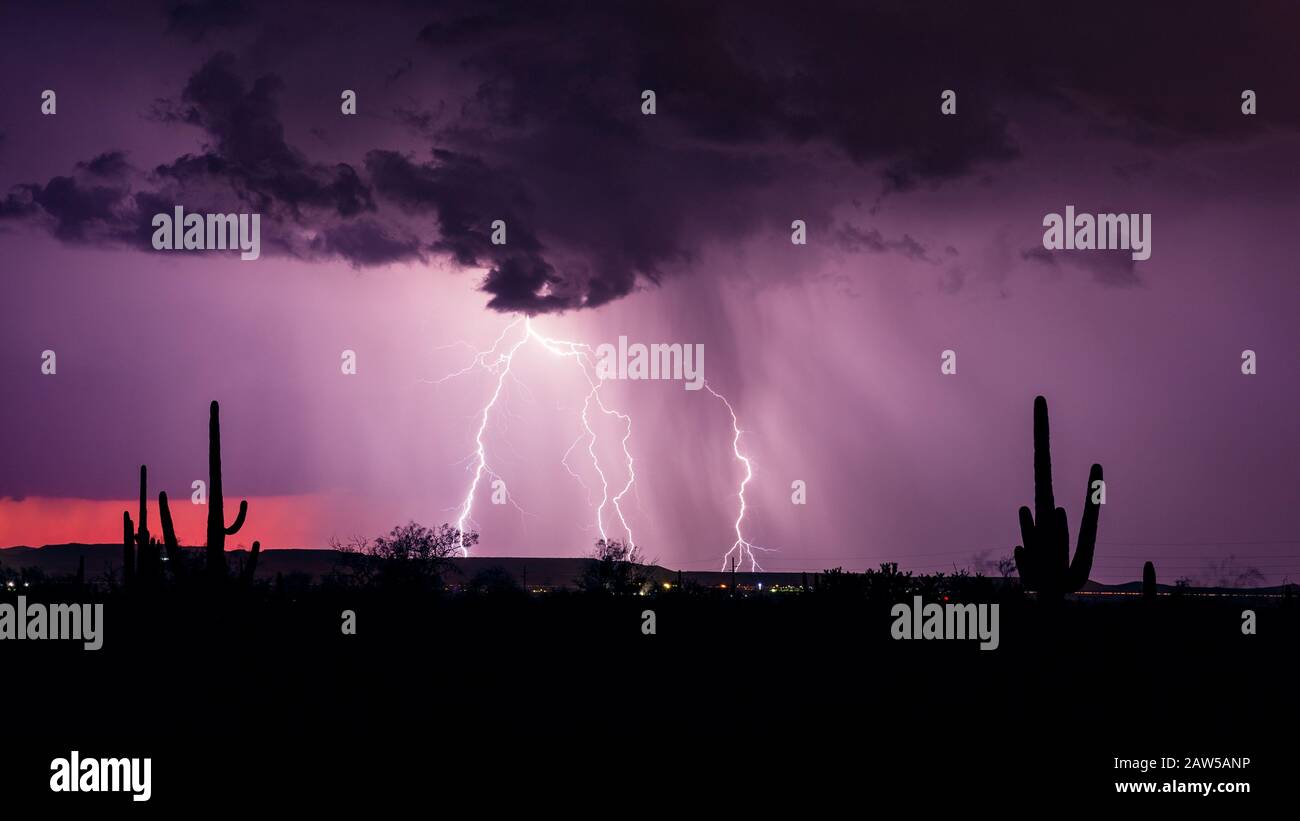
point(549, 573)
point(536, 572)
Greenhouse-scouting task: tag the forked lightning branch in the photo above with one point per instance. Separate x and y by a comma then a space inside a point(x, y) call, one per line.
point(682, 362)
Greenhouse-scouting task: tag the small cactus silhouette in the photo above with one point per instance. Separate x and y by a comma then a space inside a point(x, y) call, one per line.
point(128, 550)
point(250, 564)
point(1043, 561)
point(141, 562)
point(1148, 582)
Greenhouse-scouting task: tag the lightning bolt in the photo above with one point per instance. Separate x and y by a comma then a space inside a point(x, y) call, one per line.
point(584, 355)
point(498, 361)
point(742, 548)
point(501, 366)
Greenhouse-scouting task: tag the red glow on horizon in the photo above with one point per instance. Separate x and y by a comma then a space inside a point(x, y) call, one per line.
point(275, 521)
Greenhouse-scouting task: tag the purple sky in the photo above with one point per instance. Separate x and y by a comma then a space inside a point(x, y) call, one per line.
point(924, 235)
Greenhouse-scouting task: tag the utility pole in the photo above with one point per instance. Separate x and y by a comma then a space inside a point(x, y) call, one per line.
point(733, 575)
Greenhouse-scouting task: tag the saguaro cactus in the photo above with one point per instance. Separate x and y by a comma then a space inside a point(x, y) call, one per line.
point(1148, 582)
point(128, 549)
point(148, 563)
point(217, 530)
point(250, 565)
point(142, 532)
point(1043, 561)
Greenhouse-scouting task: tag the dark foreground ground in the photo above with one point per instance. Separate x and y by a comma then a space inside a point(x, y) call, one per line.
point(559, 703)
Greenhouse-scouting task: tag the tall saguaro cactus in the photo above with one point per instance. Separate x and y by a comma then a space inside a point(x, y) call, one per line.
point(217, 530)
point(148, 563)
point(142, 533)
point(141, 564)
point(1043, 561)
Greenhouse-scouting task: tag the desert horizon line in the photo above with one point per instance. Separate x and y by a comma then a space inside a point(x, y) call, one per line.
point(816, 570)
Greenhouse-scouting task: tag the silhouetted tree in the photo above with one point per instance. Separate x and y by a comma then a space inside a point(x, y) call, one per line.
point(984, 563)
point(411, 556)
point(614, 567)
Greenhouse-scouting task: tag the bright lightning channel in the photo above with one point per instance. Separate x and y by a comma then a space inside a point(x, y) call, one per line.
point(498, 362)
point(742, 548)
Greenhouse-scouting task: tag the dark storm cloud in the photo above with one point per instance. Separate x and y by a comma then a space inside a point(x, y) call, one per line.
point(73, 211)
point(466, 197)
point(754, 99)
point(865, 79)
point(109, 165)
point(366, 242)
point(246, 166)
point(735, 74)
point(18, 203)
point(867, 76)
point(250, 151)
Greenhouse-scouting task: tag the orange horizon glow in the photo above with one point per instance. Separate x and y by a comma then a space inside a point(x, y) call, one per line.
point(275, 521)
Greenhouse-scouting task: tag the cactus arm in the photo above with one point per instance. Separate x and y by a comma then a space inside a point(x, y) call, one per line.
point(239, 519)
point(1086, 548)
point(1025, 555)
point(169, 536)
point(1027, 527)
point(1044, 503)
